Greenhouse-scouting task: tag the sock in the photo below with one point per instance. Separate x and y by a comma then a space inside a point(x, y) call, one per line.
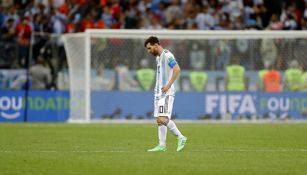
point(173, 128)
point(162, 131)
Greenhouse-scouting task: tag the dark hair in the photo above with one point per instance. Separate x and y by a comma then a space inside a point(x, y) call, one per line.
point(152, 40)
point(10, 20)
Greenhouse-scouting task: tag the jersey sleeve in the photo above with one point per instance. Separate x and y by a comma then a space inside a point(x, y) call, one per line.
point(171, 61)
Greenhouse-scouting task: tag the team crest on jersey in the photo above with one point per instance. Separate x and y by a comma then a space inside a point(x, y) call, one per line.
point(171, 59)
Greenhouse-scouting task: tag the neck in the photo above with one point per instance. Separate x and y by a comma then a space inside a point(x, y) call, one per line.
point(160, 50)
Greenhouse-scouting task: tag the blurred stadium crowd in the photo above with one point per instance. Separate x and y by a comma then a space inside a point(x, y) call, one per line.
point(60, 16)
point(20, 19)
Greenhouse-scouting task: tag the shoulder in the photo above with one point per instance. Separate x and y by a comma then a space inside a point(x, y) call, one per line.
point(168, 54)
point(166, 51)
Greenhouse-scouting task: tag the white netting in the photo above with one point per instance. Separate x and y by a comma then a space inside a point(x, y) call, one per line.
point(76, 54)
point(204, 50)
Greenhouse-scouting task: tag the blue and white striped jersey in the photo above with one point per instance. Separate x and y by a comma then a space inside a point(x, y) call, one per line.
point(165, 64)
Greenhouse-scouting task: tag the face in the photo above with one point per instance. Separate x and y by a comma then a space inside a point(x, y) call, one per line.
point(152, 49)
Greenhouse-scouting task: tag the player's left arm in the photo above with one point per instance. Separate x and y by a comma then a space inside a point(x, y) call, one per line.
point(176, 72)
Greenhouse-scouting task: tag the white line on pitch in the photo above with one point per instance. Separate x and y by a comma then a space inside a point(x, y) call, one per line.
point(250, 150)
point(132, 151)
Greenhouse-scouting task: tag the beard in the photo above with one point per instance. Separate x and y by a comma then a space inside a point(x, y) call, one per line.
point(155, 53)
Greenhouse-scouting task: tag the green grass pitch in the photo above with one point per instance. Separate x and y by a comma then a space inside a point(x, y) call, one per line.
point(107, 149)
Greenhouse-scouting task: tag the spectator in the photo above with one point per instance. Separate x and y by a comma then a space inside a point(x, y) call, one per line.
point(272, 80)
point(131, 16)
point(290, 23)
point(107, 17)
point(12, 12)
point(173, 11)
point(63, 7)
point(190, 17)
point(99, 24)
point(40, 75)
point(197, 55)
point(155, 23)
point(275, 23)
point(235, 76)
point(145, 76)
point(124, 80)
point(62, 81)
point(19, 82)
point(234, 8)
point(72, 25)
point(293, 77)
point(23, 32)
point(178, 14)
point(100, 82)
point(260, 78)
point(268, 51)
point(261, 15)
point(58, 25)
point(198, 79)
point(6, 3)
point(304, 80)
point(8, 32)
point(222, 52)
point(204, 19)
point(87, 23)
point(1, 16)
point(7, 43)
point(2, 80)
point(35, 25)
point(304, 22)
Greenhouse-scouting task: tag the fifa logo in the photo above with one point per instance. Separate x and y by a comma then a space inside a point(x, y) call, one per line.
point(232, 103)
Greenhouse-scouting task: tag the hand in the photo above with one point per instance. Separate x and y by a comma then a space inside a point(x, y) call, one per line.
point(165, 88)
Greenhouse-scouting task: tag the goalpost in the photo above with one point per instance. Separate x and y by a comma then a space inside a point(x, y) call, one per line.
point(87, 51)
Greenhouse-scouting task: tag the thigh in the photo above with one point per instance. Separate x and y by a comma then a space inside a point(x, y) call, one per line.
point(164, 107)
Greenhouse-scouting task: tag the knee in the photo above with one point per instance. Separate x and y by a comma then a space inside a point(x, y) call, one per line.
point(162, 120)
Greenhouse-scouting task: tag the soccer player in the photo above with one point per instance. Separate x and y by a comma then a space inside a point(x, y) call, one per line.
point(167, 72)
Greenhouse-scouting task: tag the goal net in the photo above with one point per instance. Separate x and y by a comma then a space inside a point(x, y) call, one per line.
point(93, 50)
